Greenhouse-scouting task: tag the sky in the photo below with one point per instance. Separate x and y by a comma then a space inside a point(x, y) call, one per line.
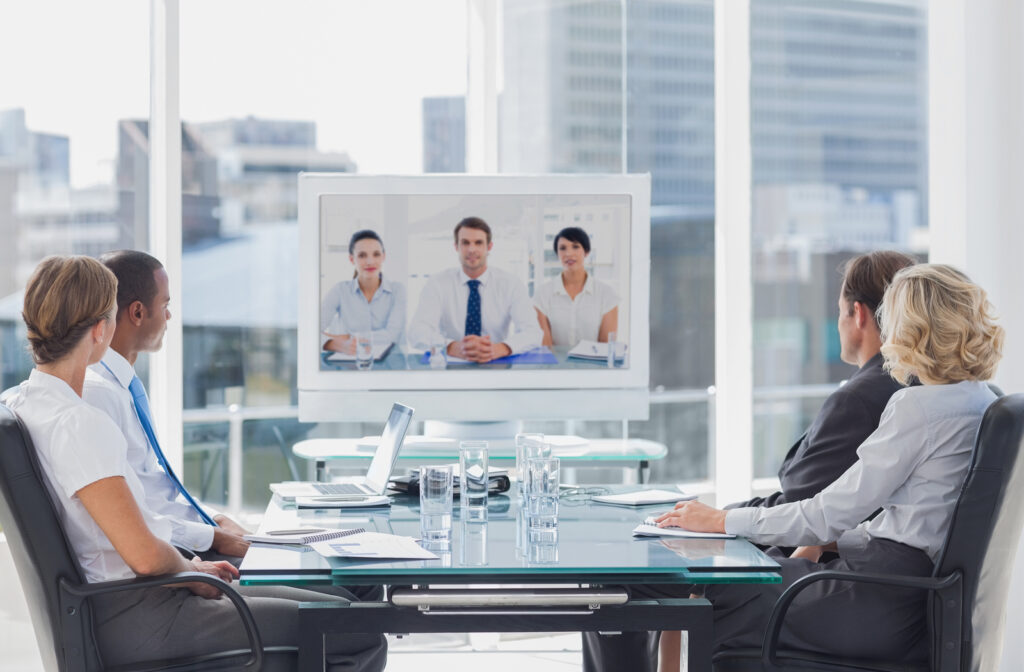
point(358, 68)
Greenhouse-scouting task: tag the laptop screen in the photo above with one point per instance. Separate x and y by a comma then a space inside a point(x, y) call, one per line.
point(387, 451)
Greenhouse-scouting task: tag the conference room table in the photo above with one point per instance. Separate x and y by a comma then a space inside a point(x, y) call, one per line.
point(493, 578)
point(397, 358)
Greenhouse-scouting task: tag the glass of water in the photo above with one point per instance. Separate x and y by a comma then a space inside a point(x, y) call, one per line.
point(436, 503)
point(523, 440)
point(364, 350)
point(473, 479)
point(542, 500)
point(611, 349)
point(473, 551)
point(438, 354)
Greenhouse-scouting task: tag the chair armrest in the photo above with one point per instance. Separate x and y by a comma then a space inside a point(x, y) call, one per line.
point(774, 628)
point(82, 591)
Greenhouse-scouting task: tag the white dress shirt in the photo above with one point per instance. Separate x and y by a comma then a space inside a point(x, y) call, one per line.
point(441, 313)
point(345, 310)
point(574, 320)
point(108, 391)
point(79, 445)
point(912, 467)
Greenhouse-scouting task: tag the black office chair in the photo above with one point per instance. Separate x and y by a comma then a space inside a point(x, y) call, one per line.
point(55, 588)
point(968, 589)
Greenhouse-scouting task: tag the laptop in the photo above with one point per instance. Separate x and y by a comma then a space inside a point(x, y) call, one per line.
point(375, 482)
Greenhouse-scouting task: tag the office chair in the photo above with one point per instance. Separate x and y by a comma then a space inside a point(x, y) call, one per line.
point(967, 591)
point(55, 588)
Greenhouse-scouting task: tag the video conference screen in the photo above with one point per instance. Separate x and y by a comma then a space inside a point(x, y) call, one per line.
point(526, 281)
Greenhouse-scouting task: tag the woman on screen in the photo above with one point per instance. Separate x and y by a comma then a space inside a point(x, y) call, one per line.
point(367, 302)
point(574, 306)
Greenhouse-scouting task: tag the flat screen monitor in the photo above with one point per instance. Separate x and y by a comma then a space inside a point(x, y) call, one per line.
point(474, 297)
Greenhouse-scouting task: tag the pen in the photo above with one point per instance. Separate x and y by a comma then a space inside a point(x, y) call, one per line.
point(305, 530)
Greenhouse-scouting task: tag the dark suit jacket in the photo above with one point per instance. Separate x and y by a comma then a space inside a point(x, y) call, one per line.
point(829, 446)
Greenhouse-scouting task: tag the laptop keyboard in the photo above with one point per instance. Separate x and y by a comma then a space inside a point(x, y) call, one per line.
point(339, 489)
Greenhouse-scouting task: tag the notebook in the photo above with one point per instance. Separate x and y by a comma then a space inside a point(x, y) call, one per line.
point(649, 528)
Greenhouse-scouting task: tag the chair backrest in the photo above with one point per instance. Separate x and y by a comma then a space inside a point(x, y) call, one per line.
point(984, 533)
point(40, 549)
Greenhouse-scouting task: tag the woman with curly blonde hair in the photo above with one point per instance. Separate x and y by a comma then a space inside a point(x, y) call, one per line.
point(939, 327)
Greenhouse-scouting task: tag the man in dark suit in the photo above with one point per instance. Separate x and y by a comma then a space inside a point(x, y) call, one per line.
point(820, 456)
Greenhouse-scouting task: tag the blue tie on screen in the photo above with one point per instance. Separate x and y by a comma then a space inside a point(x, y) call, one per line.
point(142, 410)
point(473, 323)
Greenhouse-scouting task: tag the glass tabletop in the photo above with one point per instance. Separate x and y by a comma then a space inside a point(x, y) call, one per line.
point(594, 544)
point(398, 359)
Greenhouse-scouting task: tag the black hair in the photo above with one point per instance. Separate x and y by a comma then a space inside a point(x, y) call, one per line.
point(576, 235)
point(365, 234)
point(134, 271)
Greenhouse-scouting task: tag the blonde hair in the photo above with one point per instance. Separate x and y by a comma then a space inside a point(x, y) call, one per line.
point(939, 326)
point(65, 298)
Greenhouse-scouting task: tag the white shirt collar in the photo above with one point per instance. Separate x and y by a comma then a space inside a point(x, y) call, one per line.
point(119, 366)
point(50, 383)
point(463, 278)
point(588, 285)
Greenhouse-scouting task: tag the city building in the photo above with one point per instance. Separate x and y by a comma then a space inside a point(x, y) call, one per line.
point(444, 134)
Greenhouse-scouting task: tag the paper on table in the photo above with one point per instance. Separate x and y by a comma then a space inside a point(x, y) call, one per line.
point(380, 350)
point(644, 498)
point(310, 538)
point(374, 546)
point(649, 528)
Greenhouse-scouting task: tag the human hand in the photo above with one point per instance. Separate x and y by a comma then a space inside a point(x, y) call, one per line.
point(341, 343)
point(812, 553)
point(224, 571)
point(476, 348)
point(227, 543)
point(229, 525)
point(694, 516)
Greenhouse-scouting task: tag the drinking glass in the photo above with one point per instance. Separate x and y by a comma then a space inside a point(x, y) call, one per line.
point(436, 503)
point(364, 350)
point(542, 500)
point(473, 551)
point(473, 479)
point(611, 349)
point(438, 354)
point(522, 441)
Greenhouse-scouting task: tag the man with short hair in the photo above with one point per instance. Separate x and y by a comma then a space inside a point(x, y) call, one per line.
point(472, 309)
point(826, 450)
point(111, 385)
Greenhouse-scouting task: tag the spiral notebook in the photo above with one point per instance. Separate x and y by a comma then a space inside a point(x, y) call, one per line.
point(300, 538)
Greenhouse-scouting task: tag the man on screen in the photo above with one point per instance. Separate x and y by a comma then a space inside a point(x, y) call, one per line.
point(473, 308)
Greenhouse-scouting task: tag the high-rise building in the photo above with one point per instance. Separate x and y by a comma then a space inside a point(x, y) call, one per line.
point(258, 162)
point(444, 134)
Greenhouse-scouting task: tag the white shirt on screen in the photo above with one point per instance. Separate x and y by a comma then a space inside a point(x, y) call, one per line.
point(78, 445)
point(912, 467)
point(108, 391)
point(574, 320)
point(441, 313)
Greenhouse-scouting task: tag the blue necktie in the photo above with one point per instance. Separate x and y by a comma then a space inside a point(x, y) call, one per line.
point(473, 322)
point(142, 410)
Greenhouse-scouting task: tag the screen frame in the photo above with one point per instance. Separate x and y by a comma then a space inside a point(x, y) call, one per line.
point(312, 186)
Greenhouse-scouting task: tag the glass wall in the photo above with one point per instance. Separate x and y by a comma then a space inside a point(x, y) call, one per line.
point(575, 74)
point(269, 90)
point(839, 149)
point(70, 160)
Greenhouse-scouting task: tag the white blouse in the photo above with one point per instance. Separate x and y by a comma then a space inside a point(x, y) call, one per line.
point(574, 320)
point(79, 445)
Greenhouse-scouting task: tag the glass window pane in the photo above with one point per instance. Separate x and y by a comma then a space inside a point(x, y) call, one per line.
point(839, 139)
point(270, 89)
point(564, 101)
